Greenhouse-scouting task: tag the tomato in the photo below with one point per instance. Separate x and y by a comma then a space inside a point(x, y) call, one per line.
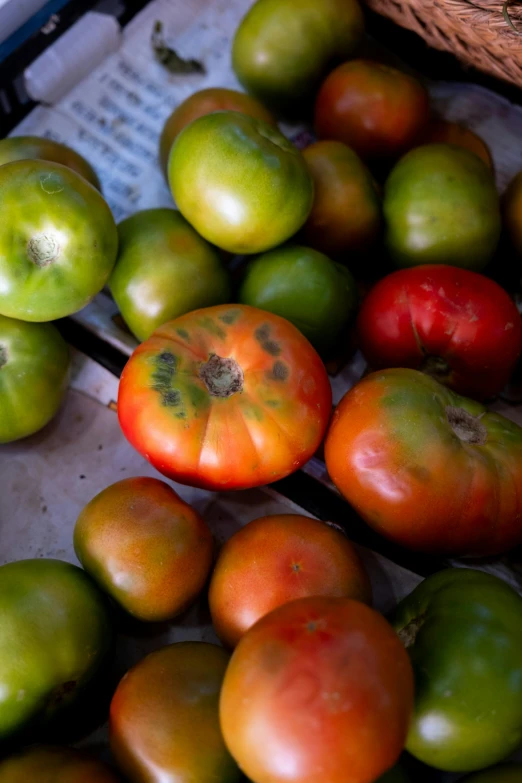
point(55, 765)
point(376, 110)
point(315, 294)
point(318, 691)
point(34, 147)
point(512, 212)
point(145, 546)
point(441, 207)
point(443, 132)
point(164, 269)
point(58, 251)
point(227, 397)
point(276, 559)
point(34, 371)
point(164, 722)
point(205, 102)
point(507, 773)
point(56, 634)
point(463, 632)
point(425, 467)
point(456, 325)
point(283, 48)
point(345, 220)
point(240, 182)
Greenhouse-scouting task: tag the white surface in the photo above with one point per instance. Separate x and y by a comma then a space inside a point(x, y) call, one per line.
point(14, 13)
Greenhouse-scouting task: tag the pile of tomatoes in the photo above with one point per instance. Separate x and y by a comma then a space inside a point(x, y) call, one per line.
point(386, 233)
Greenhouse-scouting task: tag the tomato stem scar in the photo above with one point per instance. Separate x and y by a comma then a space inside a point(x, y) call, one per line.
point(223, 377)
point(467, 427)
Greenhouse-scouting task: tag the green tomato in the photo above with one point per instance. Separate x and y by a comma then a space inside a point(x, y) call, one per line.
point(164, 269)
point(239, 182)
point(284, 48)
point(34, 147)
point(55, 636)
point(441, 207)
point(34, 371)
point(58, 241)
point(463, 631)
point(305, 287)
point(507, 773)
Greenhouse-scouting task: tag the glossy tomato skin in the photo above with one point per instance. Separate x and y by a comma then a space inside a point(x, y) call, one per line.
point(316, 294)
point(58, 252)
point(283, 48)
point(463, 632)
point(427, 468)
point(55, 765)
point(441, 207)
point(212, 166)
point(37, 148)
point(164, 269)
point(506, 773)
point(276, 559)
point(455, 324)
point(205, 102)
point(34, 371)
point(227, 397)
point(145, 546)
point(318, 691)
point(373, 108)
point(444, 132)
point(345, 221)
point(48, 671)
point(164, 721)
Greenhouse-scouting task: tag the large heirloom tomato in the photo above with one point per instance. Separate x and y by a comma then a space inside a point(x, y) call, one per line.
point(441, 207)
point(345, 220)
point(456, 325)
point(205, 102)
point(55, 765)
point(55, 636)
point(276, 559)
point(145, 546)
point(318, 691)
point(227, 397)
point(376, 110)
point(164, 719)
point(37, 148)
point(164, 269)
point(58, 241)
point(34, 370)
point(427, 468)
point(240, 182)
point(463, 631)
point(283, 48)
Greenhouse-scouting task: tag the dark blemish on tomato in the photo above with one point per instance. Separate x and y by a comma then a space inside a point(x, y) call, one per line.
point(262, 335)
point(166, 357)
point(420, 473)
point(311, 626)
point(212, 327)
point(3, 356)
point(183, 334)
point(230, 316)
point(171, 398)
point(181, 415)
point(61, 692)
point(272, 403)
point(279, 372)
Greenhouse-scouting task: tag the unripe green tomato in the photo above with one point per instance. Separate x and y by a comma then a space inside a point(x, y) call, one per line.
point(304, 286)
point(164, 269)
point(241, 184)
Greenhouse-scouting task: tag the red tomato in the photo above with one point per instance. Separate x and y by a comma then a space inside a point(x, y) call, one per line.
point(318, 691)
point(226, 397)
point(454, 324)
point(145, 546)
point(427, 468)
point(376, 110)
point(276, 559)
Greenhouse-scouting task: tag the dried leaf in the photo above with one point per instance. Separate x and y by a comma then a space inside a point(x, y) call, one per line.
point(170, 59)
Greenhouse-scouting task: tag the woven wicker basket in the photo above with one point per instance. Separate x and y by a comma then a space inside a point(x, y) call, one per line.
point(486, 34)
